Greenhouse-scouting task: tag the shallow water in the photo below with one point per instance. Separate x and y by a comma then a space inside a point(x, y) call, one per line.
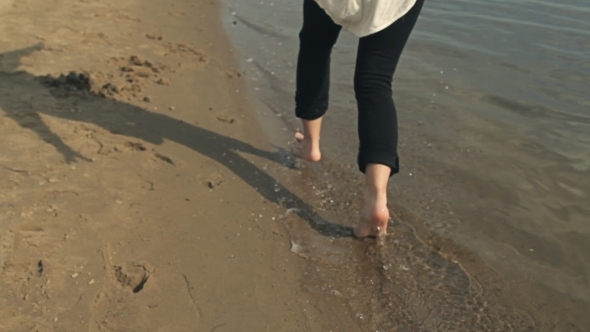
point(494, 109)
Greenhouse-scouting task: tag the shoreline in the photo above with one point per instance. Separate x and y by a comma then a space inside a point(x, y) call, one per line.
point(511, 298)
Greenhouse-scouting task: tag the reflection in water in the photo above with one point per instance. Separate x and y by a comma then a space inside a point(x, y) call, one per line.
point(494, 136)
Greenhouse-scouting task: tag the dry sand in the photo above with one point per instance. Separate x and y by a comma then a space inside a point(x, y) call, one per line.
point(128, 185)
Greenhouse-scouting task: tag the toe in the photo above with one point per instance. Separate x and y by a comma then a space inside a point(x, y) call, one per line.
point(299, 137)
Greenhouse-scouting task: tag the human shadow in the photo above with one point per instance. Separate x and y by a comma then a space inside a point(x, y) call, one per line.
point(114, 116)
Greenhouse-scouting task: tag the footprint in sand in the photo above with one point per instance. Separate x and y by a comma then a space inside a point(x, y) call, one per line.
point(133, 275)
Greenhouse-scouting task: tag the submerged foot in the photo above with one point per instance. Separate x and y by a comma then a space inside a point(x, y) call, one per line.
point(305, 149)
point(374, 218)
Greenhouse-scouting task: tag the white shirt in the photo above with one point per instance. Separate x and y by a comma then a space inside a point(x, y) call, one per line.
point(365, 17)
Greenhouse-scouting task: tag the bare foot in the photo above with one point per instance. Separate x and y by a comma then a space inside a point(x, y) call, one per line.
point(305, 149)
point(374, 217)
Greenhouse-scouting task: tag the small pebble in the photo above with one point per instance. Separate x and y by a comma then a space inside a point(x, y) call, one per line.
point(75, 275)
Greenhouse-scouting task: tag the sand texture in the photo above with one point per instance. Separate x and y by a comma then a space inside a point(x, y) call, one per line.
point(130, 194)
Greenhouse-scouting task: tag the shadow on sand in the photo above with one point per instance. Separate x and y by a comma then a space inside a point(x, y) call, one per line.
point(112, 115)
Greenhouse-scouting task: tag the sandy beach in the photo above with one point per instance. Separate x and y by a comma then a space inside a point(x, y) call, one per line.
point(145, 185)
point(131, 188)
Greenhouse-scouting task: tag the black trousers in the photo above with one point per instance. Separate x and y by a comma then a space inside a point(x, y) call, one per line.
point(377, 58)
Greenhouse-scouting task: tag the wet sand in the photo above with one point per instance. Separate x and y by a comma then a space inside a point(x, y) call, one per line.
point(490, 228)
point(133, 190)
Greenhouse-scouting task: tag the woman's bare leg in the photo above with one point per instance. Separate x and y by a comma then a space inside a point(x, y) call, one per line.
point(374, 212)
point(307, 145)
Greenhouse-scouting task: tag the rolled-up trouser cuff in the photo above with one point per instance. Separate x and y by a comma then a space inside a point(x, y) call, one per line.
point(311, 112)
point(379, 157)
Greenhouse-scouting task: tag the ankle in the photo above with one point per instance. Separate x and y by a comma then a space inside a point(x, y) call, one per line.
point(315, 145)
point(310, 138)
point(372, 191)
